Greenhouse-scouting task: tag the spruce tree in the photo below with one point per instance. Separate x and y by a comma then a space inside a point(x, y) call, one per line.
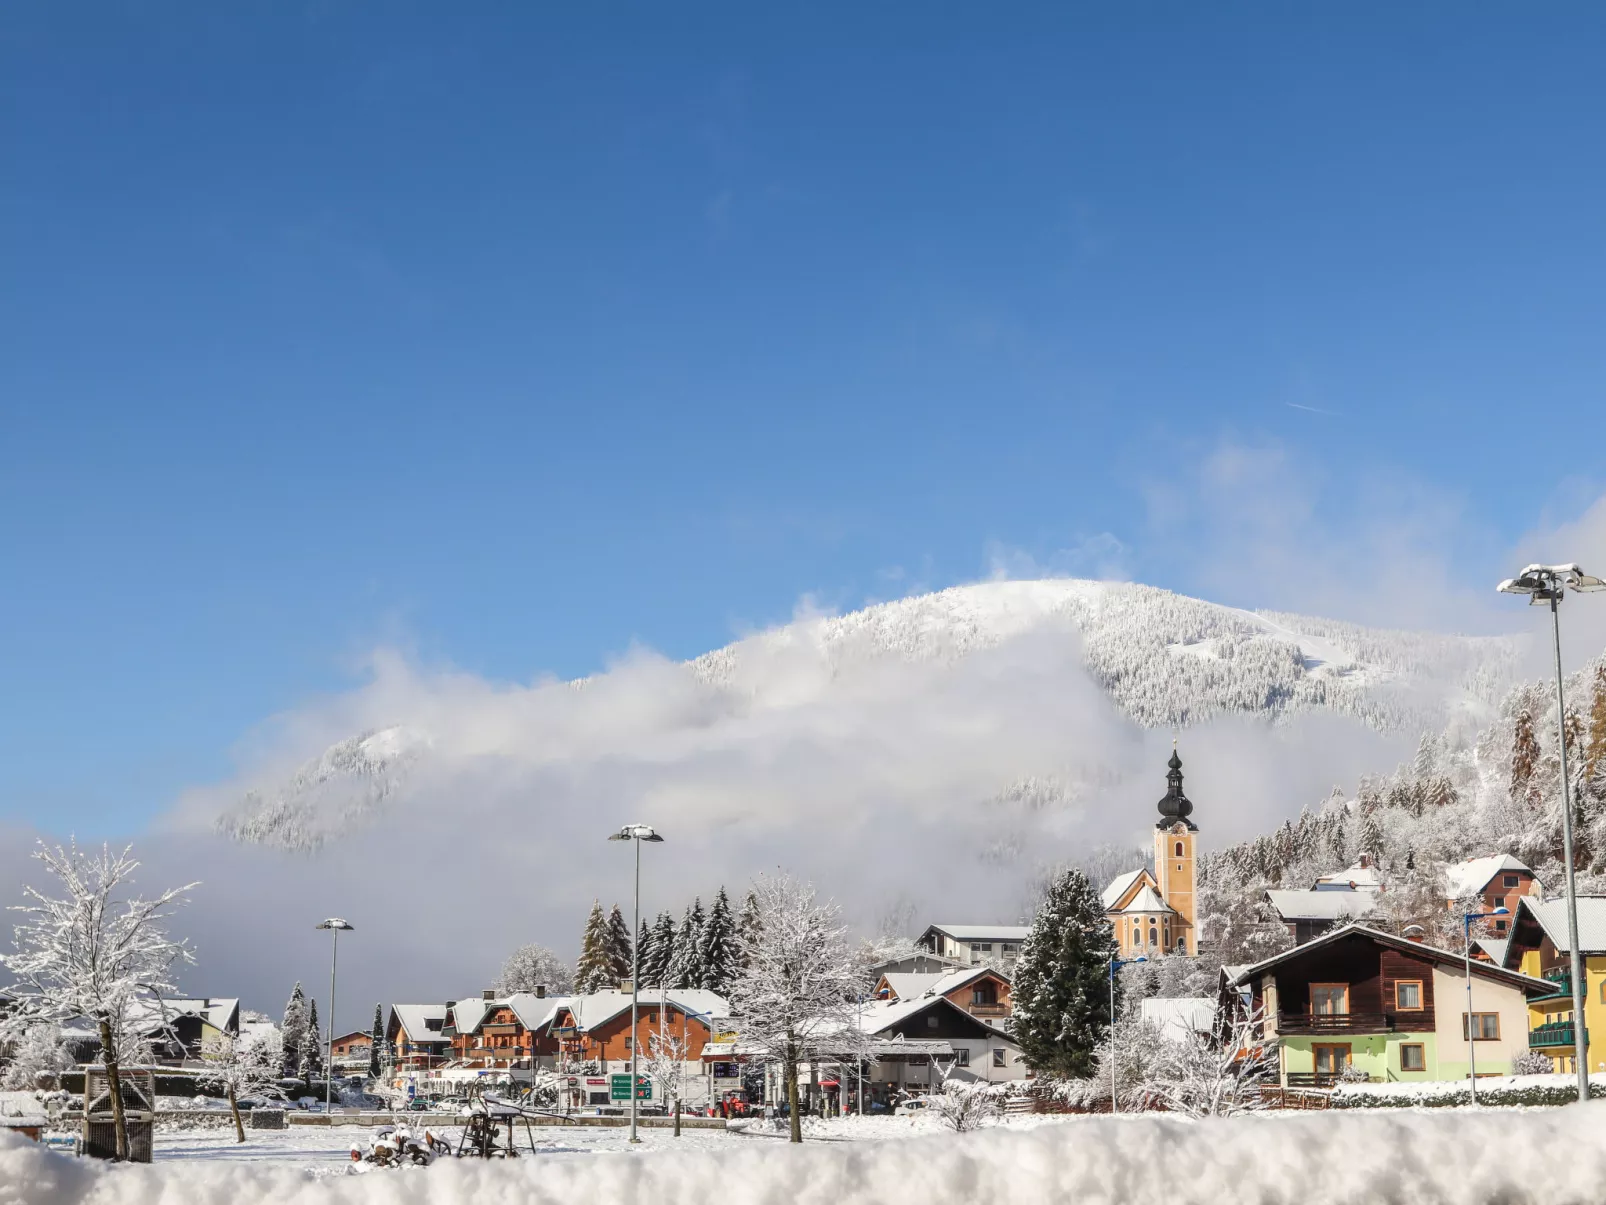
point(1524, 755)
point(313, 1050)
point(718, 947)
point(747, 928)
point(376, 1041)
point(644, 953)
point(294, 1031)
point(591, 972)
point(621, 951)
point(663, 951)
point(1061, 990)
point(685, 967)
point(1595, 741)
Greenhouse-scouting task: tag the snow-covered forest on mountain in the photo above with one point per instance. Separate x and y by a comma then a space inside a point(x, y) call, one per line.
point(1164, 660)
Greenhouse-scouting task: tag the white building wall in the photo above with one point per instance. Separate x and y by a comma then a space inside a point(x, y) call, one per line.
point(1488, 996)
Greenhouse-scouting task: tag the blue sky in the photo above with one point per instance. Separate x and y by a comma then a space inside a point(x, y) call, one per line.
point(519, 334)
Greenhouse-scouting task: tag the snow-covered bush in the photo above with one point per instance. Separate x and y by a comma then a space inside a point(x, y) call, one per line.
point(1503, 1093)
point(964, 1106)
point(1531, 1062)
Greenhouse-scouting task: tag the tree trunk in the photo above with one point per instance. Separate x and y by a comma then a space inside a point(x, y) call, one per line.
point(234, 1107)
point(115, 1083)
point(796, 1115)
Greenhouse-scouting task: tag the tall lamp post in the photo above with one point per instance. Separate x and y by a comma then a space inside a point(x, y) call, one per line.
point(1115, 965)
point(637, 833)
point(1472, 1033)
point(335, 926)
point(1549, 584)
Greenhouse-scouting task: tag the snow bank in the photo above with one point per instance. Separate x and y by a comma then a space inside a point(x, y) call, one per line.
point(1556, 1157)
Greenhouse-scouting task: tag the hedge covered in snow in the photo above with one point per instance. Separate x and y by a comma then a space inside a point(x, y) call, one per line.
point(1554, 1157)
point(1503, 1092)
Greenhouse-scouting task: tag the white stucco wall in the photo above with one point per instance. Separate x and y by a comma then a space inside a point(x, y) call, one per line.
point(1488, 996)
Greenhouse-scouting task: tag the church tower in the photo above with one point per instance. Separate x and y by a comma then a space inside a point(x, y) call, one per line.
point(1175, 839)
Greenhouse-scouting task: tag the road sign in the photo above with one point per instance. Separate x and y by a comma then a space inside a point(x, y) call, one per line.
point(619, 1087)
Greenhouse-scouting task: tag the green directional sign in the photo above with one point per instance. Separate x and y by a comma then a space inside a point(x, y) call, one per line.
point(619, 1087)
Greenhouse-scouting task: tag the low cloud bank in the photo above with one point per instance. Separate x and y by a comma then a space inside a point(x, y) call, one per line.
point(1543, 1157)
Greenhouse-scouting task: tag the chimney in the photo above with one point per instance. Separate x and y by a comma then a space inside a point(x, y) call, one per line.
point(1366, 861)
point(488, 994)
point(624, 986)
point(451, 1004)
point(540, 991)
point(1414, 933)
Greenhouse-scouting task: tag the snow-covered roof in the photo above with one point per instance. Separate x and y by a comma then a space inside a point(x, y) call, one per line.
point(1146, 901)
point(1552, 918)
point(414, 1020)
point(1112, 894)
point(911, 986)
point(1177, 1016)
point(598, 1008)
point(1473, 875)
point(1321, 905)
point(220, 1013)
point(1494, 947)
point(1451, 958)
point(534, 1012)
point(877, 1016)
point(1351, 878)
point(467, 1014)
point(21, 1109)
point(982, 932)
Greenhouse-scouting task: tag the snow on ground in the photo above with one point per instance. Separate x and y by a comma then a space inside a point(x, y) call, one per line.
point(1553, 1157)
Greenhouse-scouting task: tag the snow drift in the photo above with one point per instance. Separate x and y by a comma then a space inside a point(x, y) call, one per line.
point(1549, 1157)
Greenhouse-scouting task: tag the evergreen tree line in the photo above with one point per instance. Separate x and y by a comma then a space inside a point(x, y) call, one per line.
point(303, 1039)
point(704, 950)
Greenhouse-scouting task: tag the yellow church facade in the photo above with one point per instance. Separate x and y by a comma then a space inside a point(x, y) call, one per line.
point(1153, 912)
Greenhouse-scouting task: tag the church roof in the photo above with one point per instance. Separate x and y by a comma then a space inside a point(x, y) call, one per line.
point(1147, 901)
point(1174, 805)
point(1119, 886)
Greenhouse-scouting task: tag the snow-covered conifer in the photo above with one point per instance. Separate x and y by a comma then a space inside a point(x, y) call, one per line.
point(376, 1043)
point(293, 1032)
point(1061, 990)
point(748, 925)
point(718, 953)
point(796, 995)
point(593, 969)
point(685, 965)
point(655, 971)
point(621, 950)
point(644, 951)
point(312, 1050)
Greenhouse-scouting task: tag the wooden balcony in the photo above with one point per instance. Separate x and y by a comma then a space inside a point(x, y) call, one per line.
point(1556, 1033)
point(1322, 1023)
point(988, 1010)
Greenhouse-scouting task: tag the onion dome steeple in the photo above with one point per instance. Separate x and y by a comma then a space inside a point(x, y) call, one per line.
point(1175, 805)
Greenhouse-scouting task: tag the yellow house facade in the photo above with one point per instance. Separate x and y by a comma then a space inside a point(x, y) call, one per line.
point(1540, 947)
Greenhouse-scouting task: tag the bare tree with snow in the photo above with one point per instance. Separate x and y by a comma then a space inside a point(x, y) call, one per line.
point(245, 1065)
point(665, 1065)
point(90, 954)
point(1217, 1075)
point(37, 1051)
point(795, 997)
point(533, 966)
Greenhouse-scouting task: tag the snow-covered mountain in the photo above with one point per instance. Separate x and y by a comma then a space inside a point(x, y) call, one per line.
point(1162, 659)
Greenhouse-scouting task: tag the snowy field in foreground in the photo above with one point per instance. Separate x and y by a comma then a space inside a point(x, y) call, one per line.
point(1542, 1157)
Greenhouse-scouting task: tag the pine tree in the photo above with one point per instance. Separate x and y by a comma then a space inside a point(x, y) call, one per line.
point(644, 952)
point(376, 1042)
point(685, 967)
point(1595, 740)
point(718, 948)
point(592, 971)
point(1061, 991)
point(621, 951)
point(663, 951)
point(295, 1031)
point(747, 927)
point(312, 1052)
point(1371, 838)
point(1524, 756)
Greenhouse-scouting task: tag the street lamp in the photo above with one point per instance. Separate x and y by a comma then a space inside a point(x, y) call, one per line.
point(637, 833)
point(1472, 1034)
point(335, 925)
point(1549, 584)
point(1115, 965)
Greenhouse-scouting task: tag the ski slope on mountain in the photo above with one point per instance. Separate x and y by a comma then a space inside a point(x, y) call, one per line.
point(1158, 659)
